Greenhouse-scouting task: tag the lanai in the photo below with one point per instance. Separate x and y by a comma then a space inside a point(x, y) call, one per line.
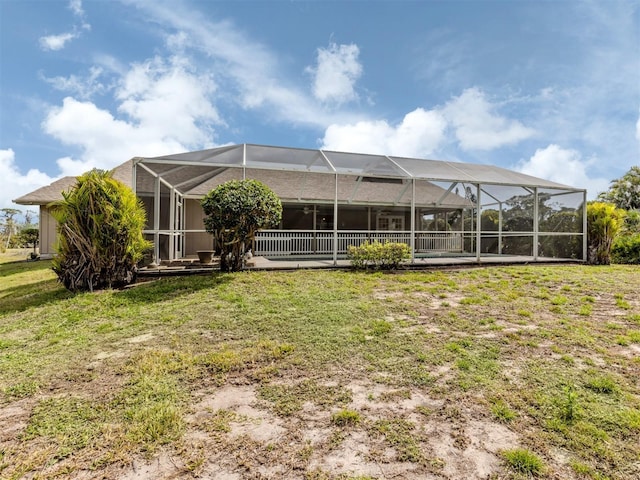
point(335, 199)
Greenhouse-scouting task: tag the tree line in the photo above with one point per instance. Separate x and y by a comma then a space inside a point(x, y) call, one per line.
point(17, 234)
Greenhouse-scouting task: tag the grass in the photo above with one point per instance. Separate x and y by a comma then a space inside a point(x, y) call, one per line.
point(346, 418)
point(400, 434)
point(96, 380)
point(523, 461)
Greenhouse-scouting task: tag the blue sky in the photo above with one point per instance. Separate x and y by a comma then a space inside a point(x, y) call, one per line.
point(547, 88)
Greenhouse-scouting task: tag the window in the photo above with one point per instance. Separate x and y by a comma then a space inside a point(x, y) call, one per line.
point(390, 222)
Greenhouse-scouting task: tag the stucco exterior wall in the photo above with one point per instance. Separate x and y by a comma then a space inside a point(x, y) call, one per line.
point(48, 232)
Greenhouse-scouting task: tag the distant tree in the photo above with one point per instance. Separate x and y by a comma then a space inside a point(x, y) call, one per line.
point(624, 192)
point(566, 220)
point(490, 220)
point(235, 211)
point(604, 221)
point(8, 214)
point(100, 242)
point(29, 237)
point(28, 217)
point(8, 224)
point(437, 225)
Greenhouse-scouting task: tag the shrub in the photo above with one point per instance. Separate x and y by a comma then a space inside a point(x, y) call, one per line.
point(385, 256)
point(631, 222)
point(626, 249)
point(604, 221)
point(100, 242)
point(235, 211)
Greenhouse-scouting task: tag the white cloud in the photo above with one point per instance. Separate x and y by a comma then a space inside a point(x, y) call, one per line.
point(478, 127)
point(250, 72)
point(14, 183)
point(336, 73)
point(470, 116)
point(564, 166)
point(82, 86)
point(57, 42)
point(76, 7)
point(419, 134)
point(169, 98)
point(166, 109)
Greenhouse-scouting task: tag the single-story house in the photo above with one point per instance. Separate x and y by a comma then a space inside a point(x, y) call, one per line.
point(335, 199)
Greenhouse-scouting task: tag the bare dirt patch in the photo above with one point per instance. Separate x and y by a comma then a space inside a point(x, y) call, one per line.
point(13, 419)
point(451, 447)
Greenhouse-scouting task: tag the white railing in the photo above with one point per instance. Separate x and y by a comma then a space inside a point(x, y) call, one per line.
point(439, 241)
point(273, 243)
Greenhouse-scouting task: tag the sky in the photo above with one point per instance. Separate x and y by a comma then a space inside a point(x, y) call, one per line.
point(547, 88)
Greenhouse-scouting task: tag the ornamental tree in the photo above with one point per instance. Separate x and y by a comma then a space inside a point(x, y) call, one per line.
point(100, 242)
point(30, 236)
point(235, 211)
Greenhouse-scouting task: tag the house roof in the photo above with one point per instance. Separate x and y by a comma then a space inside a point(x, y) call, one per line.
point(312, 187)
point(53, 192)
point(47, 194)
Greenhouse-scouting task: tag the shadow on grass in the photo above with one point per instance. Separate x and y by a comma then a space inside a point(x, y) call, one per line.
point(32, 295)
point(168, 288)
point(22, 297)
point(21, 266)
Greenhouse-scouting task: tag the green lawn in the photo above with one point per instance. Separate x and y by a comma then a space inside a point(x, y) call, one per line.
point(500, 372)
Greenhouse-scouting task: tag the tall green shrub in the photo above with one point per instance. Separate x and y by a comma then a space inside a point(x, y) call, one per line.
point(235, 211)
point(604, 221)
point(100, 242)
point(626, 249)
